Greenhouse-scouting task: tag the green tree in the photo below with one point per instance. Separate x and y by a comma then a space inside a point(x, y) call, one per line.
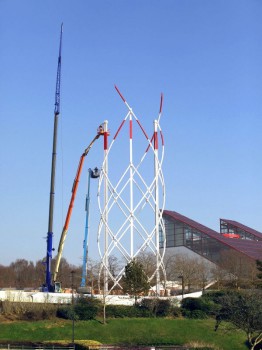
point(135, 280)
point(243, 310)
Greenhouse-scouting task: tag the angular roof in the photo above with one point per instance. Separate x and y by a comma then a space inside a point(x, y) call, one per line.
point(244, 228)
point(252, 249)
point(191, 223)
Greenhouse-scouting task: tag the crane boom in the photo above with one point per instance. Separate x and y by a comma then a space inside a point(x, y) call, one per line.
point(53, 168)
point(71, 204)
point(58, 76)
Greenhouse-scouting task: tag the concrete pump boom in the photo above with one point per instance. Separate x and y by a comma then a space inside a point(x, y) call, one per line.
point(71, 204)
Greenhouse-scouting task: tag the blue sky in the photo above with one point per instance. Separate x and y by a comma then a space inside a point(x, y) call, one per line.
point(205, 56)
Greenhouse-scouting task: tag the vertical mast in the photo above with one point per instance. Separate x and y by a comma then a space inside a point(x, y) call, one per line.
point(52, 185)
point(106, 207)
point(131, 188)
point(156, 164)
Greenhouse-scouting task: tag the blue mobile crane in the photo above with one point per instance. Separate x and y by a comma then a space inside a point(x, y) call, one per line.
point(94, 174)
point(48, 282)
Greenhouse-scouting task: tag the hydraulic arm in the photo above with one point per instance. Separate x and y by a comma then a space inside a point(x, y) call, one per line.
point(71, 204)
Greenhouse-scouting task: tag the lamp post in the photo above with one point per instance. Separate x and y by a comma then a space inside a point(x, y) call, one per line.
point(73, 308)
point(182, 281)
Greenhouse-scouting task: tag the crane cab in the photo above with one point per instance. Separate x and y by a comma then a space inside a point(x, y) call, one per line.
point(57, 287)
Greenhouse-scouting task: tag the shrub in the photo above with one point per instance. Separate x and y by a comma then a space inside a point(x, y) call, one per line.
point(163, 307)
point(117, 311)
point(186, 313)
point(208, 306)
point(195, 304)
point(156, 307)
point(29, 311)
point(86, 308)
point(176, 311)
point(148, 304)
point(213, 296)
point(196, 308)
point(142, 312)
point(67, 312)
point(146, 308)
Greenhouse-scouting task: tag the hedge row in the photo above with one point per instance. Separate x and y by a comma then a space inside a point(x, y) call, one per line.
point(28, 311)
point(90, 308)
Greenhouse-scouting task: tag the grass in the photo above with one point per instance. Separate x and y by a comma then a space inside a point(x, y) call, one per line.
point(126, 332)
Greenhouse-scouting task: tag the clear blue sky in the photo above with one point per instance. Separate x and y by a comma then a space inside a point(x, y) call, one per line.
point(205, 56)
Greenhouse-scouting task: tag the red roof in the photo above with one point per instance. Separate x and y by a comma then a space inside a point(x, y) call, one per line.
point(251, 248)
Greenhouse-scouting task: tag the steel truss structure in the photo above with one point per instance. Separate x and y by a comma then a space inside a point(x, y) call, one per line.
point(131, 199)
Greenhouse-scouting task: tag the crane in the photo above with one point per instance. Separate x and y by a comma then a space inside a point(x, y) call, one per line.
point(94, 174)
point(57, 286)
point(48, 285)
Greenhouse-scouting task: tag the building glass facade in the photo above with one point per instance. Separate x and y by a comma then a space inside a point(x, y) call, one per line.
point(182, 231)
point(244, 232)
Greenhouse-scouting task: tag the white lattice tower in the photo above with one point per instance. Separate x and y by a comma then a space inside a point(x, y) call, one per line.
point(131, 200)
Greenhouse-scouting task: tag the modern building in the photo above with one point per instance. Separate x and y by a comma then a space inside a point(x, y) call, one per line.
point(182, 231)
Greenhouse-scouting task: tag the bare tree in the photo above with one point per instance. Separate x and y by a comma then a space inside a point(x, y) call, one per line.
point(148, 261)
point(23, 272)
point(93, 267)
point(170, 264)
point(113, 265)
point(219, 275)
point(241, 270)
point(40, 272)
point(7, 278)
point(184, 267)
point(203, 273)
